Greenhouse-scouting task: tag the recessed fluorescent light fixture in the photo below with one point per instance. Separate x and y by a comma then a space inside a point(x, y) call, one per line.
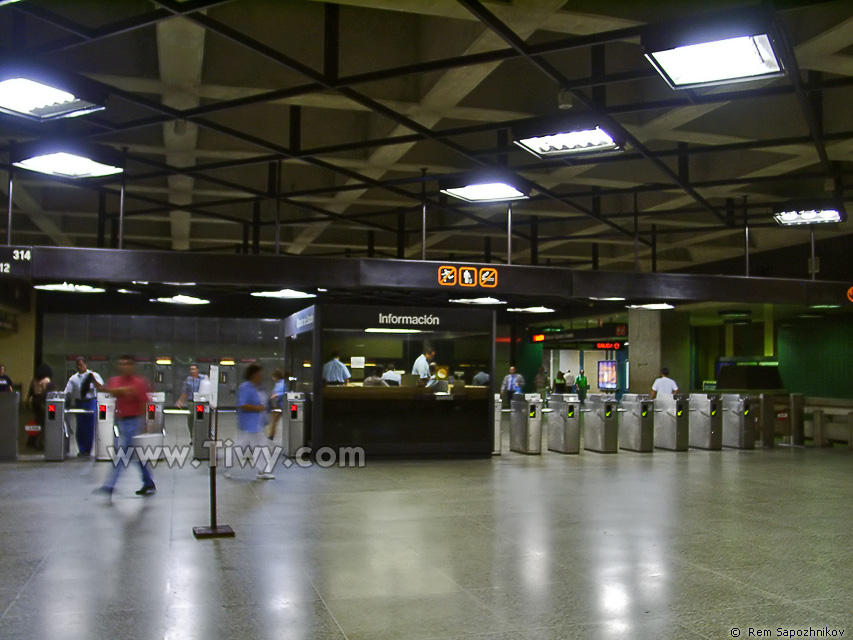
point(734, 313)
point(283, 293)
point(180, 284)
point(532, 310)
point(391, 330)
point(608, 299)
point(163, 361)
point(67, 161)
point(737, 46)
point(66, 287)
point(485, 188)
point(824, 306)
point(654, 306)
point(577, 136)
point(795, 214)
point(2, 2)
point(478, 301)
point(28, 91)
point(125, 291)
point(142, 282)
point(181, 299)
point(319, 290)
point(227, 362)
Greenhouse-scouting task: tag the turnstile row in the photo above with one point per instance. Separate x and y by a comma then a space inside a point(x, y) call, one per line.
point(636, 423)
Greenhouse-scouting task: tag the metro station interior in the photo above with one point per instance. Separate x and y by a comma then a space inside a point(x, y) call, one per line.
point(542, 311)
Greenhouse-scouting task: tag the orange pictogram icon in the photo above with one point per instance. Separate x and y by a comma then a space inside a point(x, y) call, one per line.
point(467, 277)
point(488, 277)
point(447, 276)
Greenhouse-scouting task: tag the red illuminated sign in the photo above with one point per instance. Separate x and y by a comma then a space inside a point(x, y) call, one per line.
point(51, 408)
point(606, 346)
point(539, 337)
point(152, 408)
point(850, 294)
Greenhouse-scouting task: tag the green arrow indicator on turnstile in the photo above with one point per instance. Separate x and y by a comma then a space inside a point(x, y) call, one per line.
point(571, 411)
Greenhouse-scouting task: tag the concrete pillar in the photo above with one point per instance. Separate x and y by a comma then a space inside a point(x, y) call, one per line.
point(658, 339)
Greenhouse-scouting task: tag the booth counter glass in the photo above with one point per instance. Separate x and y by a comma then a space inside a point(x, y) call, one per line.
point(447, 415)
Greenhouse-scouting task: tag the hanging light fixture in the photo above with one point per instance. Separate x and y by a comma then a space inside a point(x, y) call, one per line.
point(808, 213)
point(736, 46)
point(579, 135)
point(29, 91)
point(485, 187)
point(67, 160)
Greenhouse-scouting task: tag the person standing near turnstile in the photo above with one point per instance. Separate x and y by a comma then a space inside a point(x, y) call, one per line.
point(582, 386)
point(40, 386)
point(82, 389)
point(191, 387)
point(665, 387)
point(5, 381)
point(131, 393)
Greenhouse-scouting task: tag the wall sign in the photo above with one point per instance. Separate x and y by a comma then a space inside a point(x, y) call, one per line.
point(16, 262)
point(451, 276)
point(850, 294)
point(608, 346)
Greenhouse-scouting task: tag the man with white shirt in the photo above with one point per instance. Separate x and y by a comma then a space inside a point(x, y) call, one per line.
point(82, 390)
point(421, 366)
point(665, 387)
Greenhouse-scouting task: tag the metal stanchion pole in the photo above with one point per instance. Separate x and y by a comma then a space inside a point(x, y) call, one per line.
point(215, 530)
point(509, 233)
point(9, 213)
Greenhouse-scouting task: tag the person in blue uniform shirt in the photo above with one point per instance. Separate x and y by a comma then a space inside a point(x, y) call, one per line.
point(512, 384)
point(421, 366)
point(82, 391)
point(335, 372)
point(391, 377)
point(191, 387)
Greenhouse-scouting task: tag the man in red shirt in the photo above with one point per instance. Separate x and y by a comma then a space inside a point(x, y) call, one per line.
point(131, 393)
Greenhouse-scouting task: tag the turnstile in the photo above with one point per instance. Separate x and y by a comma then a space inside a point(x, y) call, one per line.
point(294, 422)
point(56, 431)
point(9, 403)
point(498, 441)
point(202, 415)
point(105, 426)
point(564, 423)
point(672, 426)
point(155, 424)
point(739, 413)
point(525, 424)
point(600, 424)
point(636, 423)
point(706, 422)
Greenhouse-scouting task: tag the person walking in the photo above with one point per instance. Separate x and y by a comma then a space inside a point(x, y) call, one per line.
point(131, 394)
point(191, 388)
point(582, 385)
point(559, 383)
point(664, 387)
point(279, 392)
point(40, 386)
point(82, 391)
point(251, 418)
point(512, 383)
point(540, 383)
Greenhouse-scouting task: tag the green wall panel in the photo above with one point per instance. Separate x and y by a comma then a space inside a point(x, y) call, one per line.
point(816, 359)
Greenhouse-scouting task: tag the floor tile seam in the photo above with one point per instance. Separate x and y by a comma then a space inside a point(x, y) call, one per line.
point(325, 604)
point(27, 582)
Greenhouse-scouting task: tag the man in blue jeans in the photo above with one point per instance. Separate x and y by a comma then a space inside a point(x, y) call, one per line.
point(131, 393)
point(82, 389)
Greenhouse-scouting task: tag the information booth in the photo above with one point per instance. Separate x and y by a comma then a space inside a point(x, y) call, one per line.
point(447, 416)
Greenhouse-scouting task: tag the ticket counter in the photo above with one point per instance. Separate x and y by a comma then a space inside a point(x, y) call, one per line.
point(452, 417)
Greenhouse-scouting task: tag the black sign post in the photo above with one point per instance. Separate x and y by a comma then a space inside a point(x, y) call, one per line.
point(214, 530)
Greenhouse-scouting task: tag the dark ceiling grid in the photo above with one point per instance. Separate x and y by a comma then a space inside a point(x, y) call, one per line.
point(527, 51)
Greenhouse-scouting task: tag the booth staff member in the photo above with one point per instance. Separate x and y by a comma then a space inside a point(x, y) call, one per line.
point(376, 379)
point(664, 386)
point(513, 383)
point(131, 393)
point(391, 377)
point(82, 388)
point(481, 379)
point(191, 387)
point(5, 381)
point(335, 372)
point(421, 366)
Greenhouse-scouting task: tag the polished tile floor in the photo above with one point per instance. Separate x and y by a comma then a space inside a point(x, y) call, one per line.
point(663, 545)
